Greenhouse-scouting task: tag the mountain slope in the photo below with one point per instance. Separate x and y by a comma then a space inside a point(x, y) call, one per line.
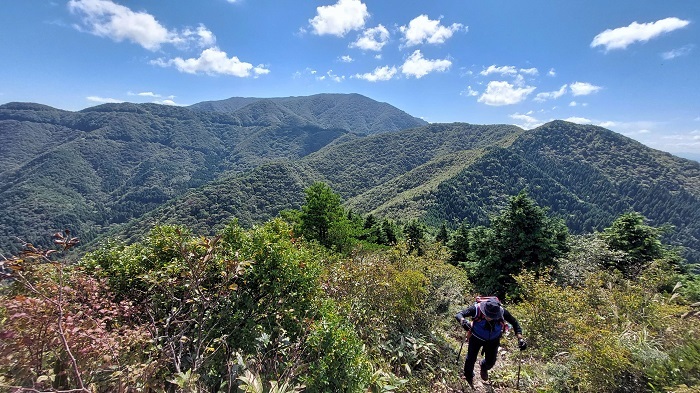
point(114, 164)
point(351, 112)
point(451, 172)
point(108, 164)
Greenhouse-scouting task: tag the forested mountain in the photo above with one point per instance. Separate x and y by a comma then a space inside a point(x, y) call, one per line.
point(353, 112)
point(453, 172)
point(108, 164)
point(134, 165)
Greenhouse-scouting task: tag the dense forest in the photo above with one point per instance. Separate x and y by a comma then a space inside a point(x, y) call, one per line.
point(321, 299)
point(118, 169)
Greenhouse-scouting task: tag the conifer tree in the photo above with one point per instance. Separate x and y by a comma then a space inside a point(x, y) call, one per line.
point(523, 237)
point(323, 217)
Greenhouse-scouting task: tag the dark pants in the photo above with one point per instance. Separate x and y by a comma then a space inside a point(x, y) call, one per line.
point(490, 353)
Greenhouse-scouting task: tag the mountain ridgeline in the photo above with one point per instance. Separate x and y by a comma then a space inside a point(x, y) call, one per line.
point(117, 169)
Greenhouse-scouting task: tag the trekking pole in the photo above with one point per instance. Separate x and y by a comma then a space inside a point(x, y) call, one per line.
point(517, 383)
point(466, 339)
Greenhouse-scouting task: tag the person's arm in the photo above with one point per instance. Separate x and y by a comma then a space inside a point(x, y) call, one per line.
point(514, 322)
point(469, 312)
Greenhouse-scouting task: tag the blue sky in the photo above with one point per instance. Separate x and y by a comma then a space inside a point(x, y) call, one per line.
point(630, 66)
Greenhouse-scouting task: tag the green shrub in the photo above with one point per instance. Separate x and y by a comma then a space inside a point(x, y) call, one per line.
point(337, 362)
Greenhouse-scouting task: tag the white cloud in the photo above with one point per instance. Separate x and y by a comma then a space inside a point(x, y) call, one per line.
point(332, 76)
point(469, 92)
point(416, 65)
point(682, 51)
point(346, 59)
point(528, 122)
point(503, 93)
point(622, 37)
point(104, 18)
point(607, 124)
point(552, 72)
point(145, 94)
point(551, 95)
point(167, 102)
point(214, 61)
point(503, 70)
point(422, 29)
point(529, 71)
point(107, 19)
point(340, 18)
point(583, 88)
point(509, 71)
point(579, 120)
point(202, 36)
point(372, 39)
point(379, 74)
point(103, 100)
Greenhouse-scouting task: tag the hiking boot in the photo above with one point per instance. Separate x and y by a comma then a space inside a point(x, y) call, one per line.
point(483, 372)
point(470, 380)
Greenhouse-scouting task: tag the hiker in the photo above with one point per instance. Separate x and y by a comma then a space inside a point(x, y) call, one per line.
point(488, 323)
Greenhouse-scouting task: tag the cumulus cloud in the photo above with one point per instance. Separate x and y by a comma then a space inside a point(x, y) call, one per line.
point(503, 70)
point(509, 71)
point(682, 51)
point(608, 124)
point(422, 29)
point(213, 61)
point(500, 93)
point(104, 18)
point(622, 37)
point(552, 72)
point(583, 88)
point(529, 71)
point(379, 74)
point(372, 39)
point(418, 66)
point(526, 120)
point(346, 59)
point(579, 120)
point(551, 95)
point(340, 18)
point(107, 19)
point(202, 36)
point(103, 100)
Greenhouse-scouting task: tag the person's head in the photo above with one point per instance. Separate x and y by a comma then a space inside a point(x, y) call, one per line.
point(491, 309)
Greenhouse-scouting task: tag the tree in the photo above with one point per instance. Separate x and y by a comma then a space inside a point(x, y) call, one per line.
point(415, 236)
point(459, 244)
point(523, 237)
point(640, 242)
point(443, 236)
point(323, 217)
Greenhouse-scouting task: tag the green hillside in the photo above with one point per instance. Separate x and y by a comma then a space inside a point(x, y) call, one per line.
point(118, 164)
point(351, 112)
point(108, 164)
point(455, 172)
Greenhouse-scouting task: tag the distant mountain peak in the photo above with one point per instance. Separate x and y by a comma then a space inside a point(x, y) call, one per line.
point(352, 112)
point(28, 106)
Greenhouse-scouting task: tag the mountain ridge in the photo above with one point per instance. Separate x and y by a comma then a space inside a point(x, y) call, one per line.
point(119, 168)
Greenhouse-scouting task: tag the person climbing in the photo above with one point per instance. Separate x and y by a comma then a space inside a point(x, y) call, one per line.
point(488, 323)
